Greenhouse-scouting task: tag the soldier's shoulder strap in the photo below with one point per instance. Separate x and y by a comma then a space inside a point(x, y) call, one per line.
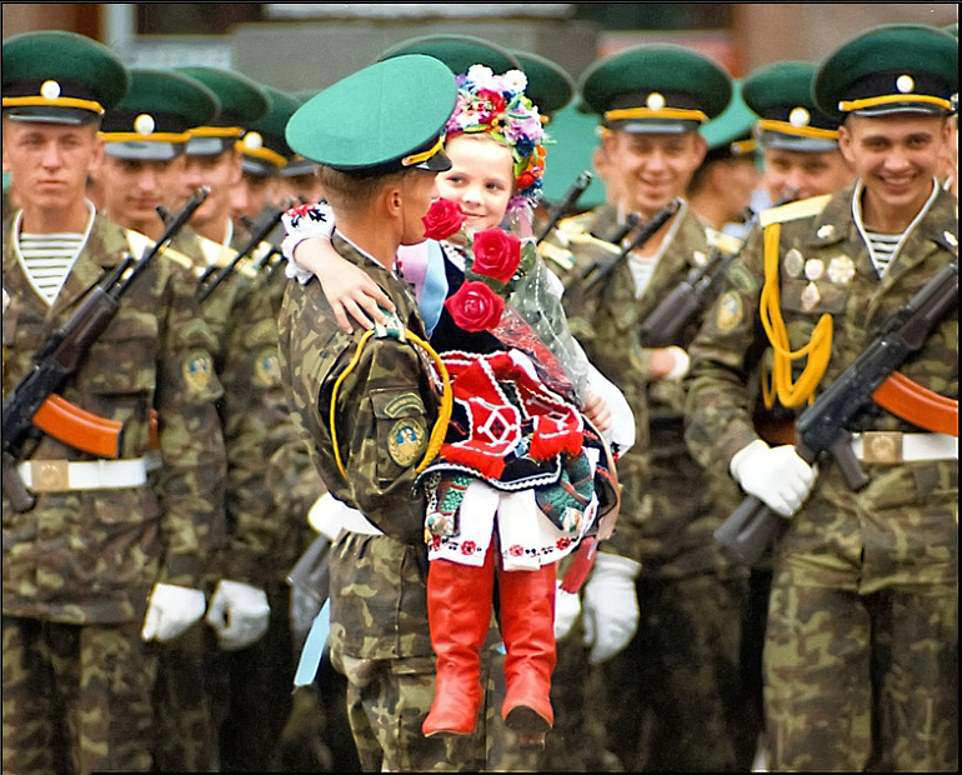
point(804, 208)
point(216, 254)
point(727, 243)
point(138, 243)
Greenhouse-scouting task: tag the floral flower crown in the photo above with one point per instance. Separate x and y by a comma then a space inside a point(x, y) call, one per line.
point(497, 106)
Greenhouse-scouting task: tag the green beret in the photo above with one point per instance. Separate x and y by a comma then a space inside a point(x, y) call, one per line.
point(458, 52)
point(151, 122)
point(656, 88)
point(549, 87)
point(781, 94)
point(264, 148)
point(895, 68)
point(383, 118)
point(730, 134)
point(575, 134)
point(242, 101)
point(60, 77)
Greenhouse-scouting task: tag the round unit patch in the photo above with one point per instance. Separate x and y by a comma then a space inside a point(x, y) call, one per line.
point(198, 369)
point(406, 440)
point(730, 312)
point(267, 368)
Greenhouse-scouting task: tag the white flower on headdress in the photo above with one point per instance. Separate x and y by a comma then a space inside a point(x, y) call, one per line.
point(480, 75)
point(515, 80)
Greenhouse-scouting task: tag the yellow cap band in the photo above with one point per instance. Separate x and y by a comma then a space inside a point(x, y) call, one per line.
point(888, 99)
point(261, 153)
point(136, 137)
point(741, 147)
point(215, 131)
point(785, 128)
point(681, 114)
point(417, 158)
point(56, 102)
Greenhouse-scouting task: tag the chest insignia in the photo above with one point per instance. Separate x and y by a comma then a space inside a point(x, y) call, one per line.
point(730, 312)
point(794, 263)
point(810, 297)
point(814, 269)
point(841, 270)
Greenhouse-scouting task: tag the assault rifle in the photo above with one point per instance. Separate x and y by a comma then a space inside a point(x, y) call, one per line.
point(33, 403)
point(559, 211)
point(664, 323)
point(208, 283)
point(821, 427)
point(631, 220)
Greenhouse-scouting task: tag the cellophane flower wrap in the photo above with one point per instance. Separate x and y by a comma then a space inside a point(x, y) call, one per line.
point(506, 292)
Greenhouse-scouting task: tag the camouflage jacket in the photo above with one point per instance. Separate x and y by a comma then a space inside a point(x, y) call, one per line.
point(252, 408)
point(822, 230)
point(669, 537)
point(387, 392)
point(91, 556)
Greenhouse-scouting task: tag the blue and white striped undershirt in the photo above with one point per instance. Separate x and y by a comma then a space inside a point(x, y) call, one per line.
point(48, 258)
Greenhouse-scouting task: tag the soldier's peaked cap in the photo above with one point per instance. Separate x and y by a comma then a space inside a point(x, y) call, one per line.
point(152, 121)
point(781, 94)
point(458, 52)
point(264, 149)
point(60, 77)
point(242, 101)
point(657, 88)
point(895, 68)
point(549, 86)
point(386, 117)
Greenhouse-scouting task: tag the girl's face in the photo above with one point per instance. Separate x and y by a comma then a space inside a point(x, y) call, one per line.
point(480, 180)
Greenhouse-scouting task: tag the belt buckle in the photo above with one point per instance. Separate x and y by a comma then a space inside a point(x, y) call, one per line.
point(49, 476)
point(882, 447)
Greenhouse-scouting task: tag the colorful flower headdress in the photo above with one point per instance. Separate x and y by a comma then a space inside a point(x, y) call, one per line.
point(497, 106)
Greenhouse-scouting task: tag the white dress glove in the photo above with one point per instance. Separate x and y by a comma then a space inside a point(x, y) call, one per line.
point(239, 614)
point(171, 610)
point(566, 609)
point(610, 606)
point(775, 475)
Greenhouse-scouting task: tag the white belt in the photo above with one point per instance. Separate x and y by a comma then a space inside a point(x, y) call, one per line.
point(892, 447)
point(153, 459)
point(63, 475)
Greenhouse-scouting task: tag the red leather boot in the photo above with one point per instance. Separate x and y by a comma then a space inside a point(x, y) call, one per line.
point(459, 613)
point(527, 626)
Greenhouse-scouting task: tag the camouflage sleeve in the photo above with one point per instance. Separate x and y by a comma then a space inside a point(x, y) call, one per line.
point(254, 406)
point(191, 482)
point(718, 415)
point(383, 423)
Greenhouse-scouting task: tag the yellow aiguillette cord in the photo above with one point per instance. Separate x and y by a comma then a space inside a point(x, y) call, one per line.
point(440, 428)
point(790, 393)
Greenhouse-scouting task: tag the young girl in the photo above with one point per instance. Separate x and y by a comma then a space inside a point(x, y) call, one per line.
point(534, 509)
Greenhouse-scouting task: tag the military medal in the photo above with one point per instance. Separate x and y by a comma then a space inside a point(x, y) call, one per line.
point(841, 270)
point(794, 263)
point(814, 269)
point(810, 297)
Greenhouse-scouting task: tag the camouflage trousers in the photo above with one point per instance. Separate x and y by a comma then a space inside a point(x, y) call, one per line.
point(856, 682)
point(76, 699)
point(674, 697)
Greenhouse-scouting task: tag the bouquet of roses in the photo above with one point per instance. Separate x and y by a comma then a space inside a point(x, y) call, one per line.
point(505, 292)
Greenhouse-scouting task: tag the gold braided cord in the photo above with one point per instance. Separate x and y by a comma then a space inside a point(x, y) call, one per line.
point(785, 128)
point(261, 153)
point(683, 114)
point(136, 137)
point(888, 99)
point(215, 131)
point(440, 428)
point(417, 158)
point(56, 102)
point(790, 393)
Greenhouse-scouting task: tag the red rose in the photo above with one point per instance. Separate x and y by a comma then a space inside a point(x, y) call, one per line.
point(443, 219)
point(525, 180)
point(496, 254)
point(469, 547)
point(475, 307)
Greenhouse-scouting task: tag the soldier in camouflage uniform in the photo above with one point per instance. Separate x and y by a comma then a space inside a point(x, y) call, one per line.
point(861, 651)
point(379, 632)
point(673, 695)
point(98, 548)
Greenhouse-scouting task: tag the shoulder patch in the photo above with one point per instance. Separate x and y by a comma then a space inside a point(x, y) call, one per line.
point(138, 243)
point(794, 210)
point(730, 312)
point(214, 253)
point(403, 405)
point(725, 242)
point(198, 370)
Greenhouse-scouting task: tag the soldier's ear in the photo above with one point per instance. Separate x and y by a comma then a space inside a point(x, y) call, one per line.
point(845, 144)
point(701, 148)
